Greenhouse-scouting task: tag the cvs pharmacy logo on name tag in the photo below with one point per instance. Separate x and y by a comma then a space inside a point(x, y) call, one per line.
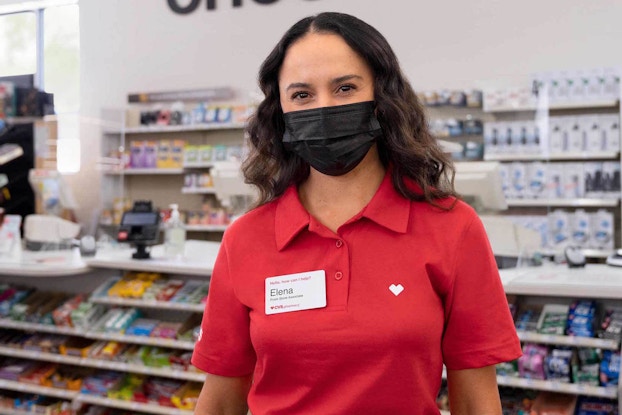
point(295, 292)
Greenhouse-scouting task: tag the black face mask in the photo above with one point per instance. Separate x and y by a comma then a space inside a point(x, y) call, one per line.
point(333, 140)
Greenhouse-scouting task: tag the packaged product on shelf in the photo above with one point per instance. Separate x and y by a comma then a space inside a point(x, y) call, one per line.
point(602, 230)
point(586, 367)
point(62, 314)
point(150, 160)
point(527, 317)
point(137, 154)
point(536, 180)
point(559, 229)
point(191, 154)
point(77, 346)
point(180, 360)
point(186, 397)
point(610, 124)
point(518, 179)
point(611, 180)
point(206, 153)
point(557, 135)
point(39, 374)
point(86, 315)
point(176, 154)
point(164, 154)
point(220, 152)
point(166, 330)
point(588, 405)
point(69, 378)
point(611, 325)
point(45, 343)
point(157, 357)
point(531, 363)
point(594, 136)
point(141, 327)
point(576, 143)
point(593, 179)
point(580, 223)
point(582, 318)
point(190, 328)
point(557, 365)
point(11, 297)
point(100, 382)
point(169, 290)
point(610, 368)
point(611, 86)
point(573, 181)
point(553, 319)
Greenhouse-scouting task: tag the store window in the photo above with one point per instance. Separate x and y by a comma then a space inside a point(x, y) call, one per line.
point(18, 44)
point(61, 74)
point(45, 41)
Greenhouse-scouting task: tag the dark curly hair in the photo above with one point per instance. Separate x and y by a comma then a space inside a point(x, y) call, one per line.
point(406, 143)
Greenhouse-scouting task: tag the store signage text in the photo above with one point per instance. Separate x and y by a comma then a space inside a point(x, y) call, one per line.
point(211, 5)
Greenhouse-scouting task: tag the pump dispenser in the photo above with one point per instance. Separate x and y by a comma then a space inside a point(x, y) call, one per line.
point(174, 235)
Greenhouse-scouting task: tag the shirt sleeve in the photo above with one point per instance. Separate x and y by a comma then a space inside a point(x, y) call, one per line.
point(224, 346)
point(479, 330)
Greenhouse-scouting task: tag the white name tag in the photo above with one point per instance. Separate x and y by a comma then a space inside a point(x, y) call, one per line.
point(295, 292)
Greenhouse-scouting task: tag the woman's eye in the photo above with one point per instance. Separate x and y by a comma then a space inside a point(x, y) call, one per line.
point(346, 88)
point(300, 95)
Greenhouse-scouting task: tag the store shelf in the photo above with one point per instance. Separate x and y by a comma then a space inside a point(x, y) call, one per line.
point(593, 281)
point(206, 228)
point(151, 341)
point(102, 364)
point(37, 389)
point(584, 104)
point(6, 323)
point(198, 190)
point(149, 129)
point(199, 165)
point(588, 253)
point(139, 172)
point(160, 305)
point(130, 405)
point(569, 156)
point(563, 202)
point(199, 260)
point(552, 386)
point(573, 341)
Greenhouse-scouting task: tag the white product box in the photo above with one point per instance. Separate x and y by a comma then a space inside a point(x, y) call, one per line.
point(594, 136)
point(610, 124)
point(491, 138)
point(580, 224)
point(559, 229)
point(573, 181)
point(595, 86)
point(556, 135)
point(519, 138)
point(611, 86)
point(578, 85)
point(611, 179)
point(554, 181)
point(518, 179)
point(536, 180)
point(504, 172)
point(532, 138)
point(593, 179)
point(576, 142)
point(564, 84)
point(504, 135)
point(602, 230)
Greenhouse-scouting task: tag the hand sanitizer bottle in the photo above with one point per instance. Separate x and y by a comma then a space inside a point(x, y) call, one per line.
point(174, 235)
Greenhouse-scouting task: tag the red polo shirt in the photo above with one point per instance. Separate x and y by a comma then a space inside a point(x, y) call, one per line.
point(373, 349)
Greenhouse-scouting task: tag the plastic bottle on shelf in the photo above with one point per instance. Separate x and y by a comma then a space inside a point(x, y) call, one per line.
point(174, 235)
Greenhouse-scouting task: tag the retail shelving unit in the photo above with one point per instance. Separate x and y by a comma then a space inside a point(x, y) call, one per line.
point(556, 282)
point(162, 186)
point(539, 206)
point(66, 271)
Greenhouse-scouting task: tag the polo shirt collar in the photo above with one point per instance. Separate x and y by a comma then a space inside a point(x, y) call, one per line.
point(387, 208)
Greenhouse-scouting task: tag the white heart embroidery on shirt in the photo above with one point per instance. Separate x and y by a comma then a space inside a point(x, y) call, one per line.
point(396, 289)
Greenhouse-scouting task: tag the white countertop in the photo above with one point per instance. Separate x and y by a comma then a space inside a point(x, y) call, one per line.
point(43, 264)
point(593, 281)
point(199, 259)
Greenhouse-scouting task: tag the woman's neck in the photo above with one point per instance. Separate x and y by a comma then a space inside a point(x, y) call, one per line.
point(333, 200)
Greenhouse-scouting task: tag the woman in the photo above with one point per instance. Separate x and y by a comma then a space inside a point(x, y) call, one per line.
point(360, 273)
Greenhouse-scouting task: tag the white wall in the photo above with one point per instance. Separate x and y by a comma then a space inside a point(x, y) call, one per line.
point(140, 45)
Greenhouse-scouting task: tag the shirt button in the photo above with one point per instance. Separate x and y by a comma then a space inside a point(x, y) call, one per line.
point(339, 243)
point(338, 275)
